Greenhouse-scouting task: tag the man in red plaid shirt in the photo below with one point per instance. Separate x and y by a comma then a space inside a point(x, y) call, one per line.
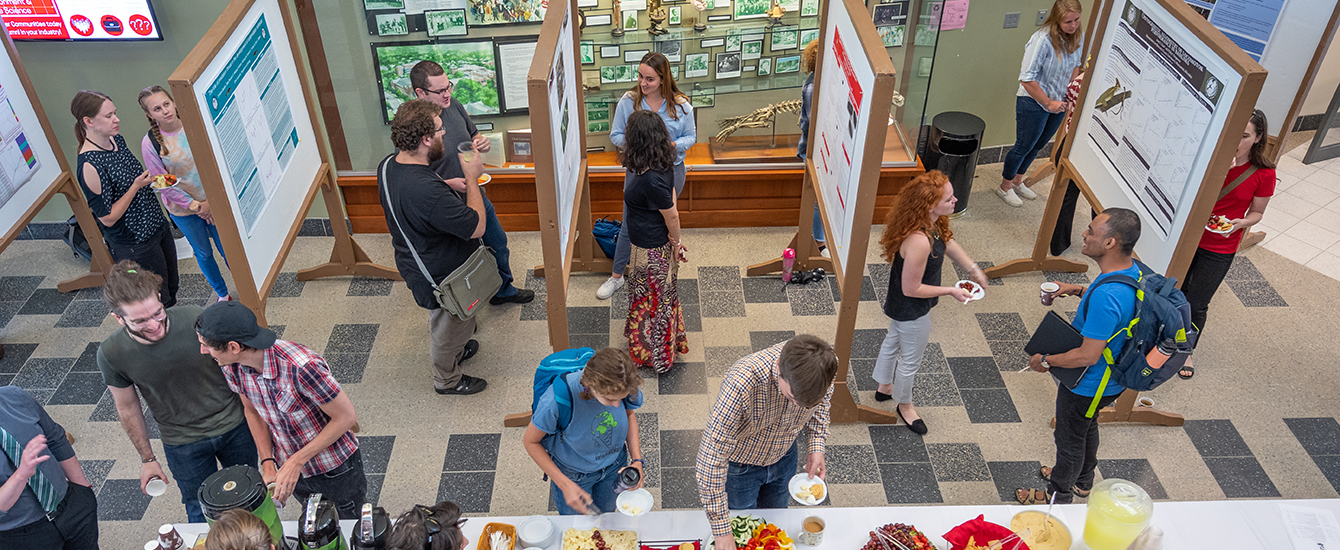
point(297, 414)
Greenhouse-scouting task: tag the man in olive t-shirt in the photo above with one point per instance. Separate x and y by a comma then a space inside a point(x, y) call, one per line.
point(201, 421)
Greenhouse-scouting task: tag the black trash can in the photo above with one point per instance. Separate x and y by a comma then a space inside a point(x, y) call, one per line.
point(952, 146)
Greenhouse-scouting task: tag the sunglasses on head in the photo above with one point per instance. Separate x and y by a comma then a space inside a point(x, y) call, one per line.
point(433, 527)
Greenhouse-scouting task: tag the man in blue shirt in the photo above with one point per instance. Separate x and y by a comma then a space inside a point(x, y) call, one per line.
point(45, 500)
point(1103, 312)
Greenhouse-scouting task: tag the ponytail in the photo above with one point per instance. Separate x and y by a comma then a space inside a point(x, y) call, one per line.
point(85, 104)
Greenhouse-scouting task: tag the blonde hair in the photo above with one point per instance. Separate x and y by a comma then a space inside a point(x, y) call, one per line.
point(1060, 40)
point(611, 372)
point(153, 124)
point(238, 529)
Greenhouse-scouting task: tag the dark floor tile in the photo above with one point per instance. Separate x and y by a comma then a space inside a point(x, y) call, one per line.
point(879, 273)
point(693, 317)
point(150, 423)
point(1003, 326)
point(862, 371)
point(1009, 354)
point(933, 361)
point(198, 302)
point(679, 488)
point(989, 155)
point(374, 491)
point(649, 432)
point(194, 286)
point(721, 359)
point(46, 301)
point(87, 361)
point(41, 395)
point(287, 285)
point(92, 293)
point(5, 379)
point(1256, 294)
point(688, 291)
point(936, 390)
point(352, 338)
point(79, 388)
point(679, 448)
point(7, 311)
point(593, 341)
point(866, 342)
point(18, 288)
point(684, 379)
point(1070, 315)
point(850, 464)
point(910, 483)
point(989, 406)
point(764, 290)
point(83, 314)
point(472, 491)
point(51, 231)
point(96, 471)
point(376, 451)
point(369, 286)
point(1330, 467)
point(810, 301)
point(471, 452)
point(1009, 476)
point(1243, 270)
point(589, 320)
point(985, 266)
point(722, 304)
point(762, 339)
point(122, 500)
point(1241, 477)
point(1319, 436)
point(1216, 438)
point(278, 330)
point(1067, 277)
point(897, 444)
point(715, 278)
point(347, 367)
point(15, 356)
point(651, 468)
point(537, 310)
point(535, 283)
point(958, 462)
point(975, 372)
point(105, 411)
point(312, 227)
point(867, 289)
point(1135, 470)
point(45, 372)
point(618, 305)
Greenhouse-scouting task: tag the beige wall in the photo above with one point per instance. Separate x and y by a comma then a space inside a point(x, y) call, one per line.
point(1323, 88)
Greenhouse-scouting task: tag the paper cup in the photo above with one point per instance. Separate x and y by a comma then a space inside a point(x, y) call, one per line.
point(156, 487)
point(1048, 292)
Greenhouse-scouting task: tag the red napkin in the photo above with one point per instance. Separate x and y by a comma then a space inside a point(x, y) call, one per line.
point(983, 532)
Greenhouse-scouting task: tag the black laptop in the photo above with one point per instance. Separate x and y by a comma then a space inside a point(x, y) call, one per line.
point(1056, 335)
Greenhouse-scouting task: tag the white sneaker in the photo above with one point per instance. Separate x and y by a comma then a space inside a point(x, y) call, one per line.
point(610, 285)
point(1024, 192)
point(1009, 197)
point(825, 253)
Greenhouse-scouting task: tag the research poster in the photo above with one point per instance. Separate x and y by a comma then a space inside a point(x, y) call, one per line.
point(1155, 100)
point(248, 106)
point(17, 161)
point(514, 61)
point(563, 128)
point(1248, 23)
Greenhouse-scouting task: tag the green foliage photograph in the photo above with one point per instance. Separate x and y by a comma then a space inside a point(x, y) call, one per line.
point(470, 66)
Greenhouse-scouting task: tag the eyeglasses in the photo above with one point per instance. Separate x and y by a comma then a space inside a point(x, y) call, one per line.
point(158, 316)
point(450, 86)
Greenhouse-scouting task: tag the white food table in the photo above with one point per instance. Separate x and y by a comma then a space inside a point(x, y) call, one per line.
point(1236, 524)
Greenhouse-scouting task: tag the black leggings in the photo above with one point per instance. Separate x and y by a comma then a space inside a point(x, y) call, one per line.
point(1202, 280)
point(157, 254)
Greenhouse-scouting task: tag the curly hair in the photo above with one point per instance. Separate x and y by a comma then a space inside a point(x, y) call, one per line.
point(611, 373)
point(669, 91)
point(647, 145)
point(809, 57)
point(412, 528)
point(414, 120)
point(911, 213)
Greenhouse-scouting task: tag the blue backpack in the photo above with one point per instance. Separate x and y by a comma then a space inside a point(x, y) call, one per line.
point(1162, 316)
point(552, 372)
point(606, 232)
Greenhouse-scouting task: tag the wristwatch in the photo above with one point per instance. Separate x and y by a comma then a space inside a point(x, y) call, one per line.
point(1044, 362)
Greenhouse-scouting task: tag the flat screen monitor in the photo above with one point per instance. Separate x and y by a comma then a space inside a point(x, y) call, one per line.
point(80, 20)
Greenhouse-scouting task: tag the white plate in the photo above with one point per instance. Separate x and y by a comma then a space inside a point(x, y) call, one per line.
point(803, 479)
point(485, 178)
point(977, 293)
point(637, 498)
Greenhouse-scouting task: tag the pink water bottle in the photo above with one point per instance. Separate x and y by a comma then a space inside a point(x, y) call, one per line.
point(788, 261)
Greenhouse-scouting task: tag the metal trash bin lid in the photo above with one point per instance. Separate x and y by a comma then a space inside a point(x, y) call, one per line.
point(959, 124)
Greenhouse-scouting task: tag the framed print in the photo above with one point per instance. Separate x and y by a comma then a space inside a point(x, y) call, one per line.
point(671, 49)
point(627, 73)
point(728, 65)
point(588, 52)
point(750, 68)
point(695, 65)
point(470, 64)
point(602, 20)
point(609, 51)
point(924, 67)
point(598, 114)
point(733, 40)
point(890, 14)
point(587, 3)
point(609, 75)
point(445, 22)
point(504, 12)
point(712, 43)
point(703, 99)
point(517, 143)
point(807, 36)
point(514, 54)
point(892, 35)
point(634, 56)
point(383, 4)
point(925, 36)
point(392, 24)
point(752, 49)
point(787, 65)
point(751, 9)
point(785, 38)
point(629, 20)
point(765, 66)
point(484, 126)
point(675, 14)
point(597, 127)
point(674, 72)
point(809, 8)
point(715, 18)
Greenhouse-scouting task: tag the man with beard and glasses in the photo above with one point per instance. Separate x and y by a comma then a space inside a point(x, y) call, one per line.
point(202, 422)
point(441, 225)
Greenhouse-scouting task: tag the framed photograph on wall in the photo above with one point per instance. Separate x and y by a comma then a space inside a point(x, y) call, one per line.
point(607, 52)
point(674, 72)
point(598, 127)
point(890, 14)
point(716, 18)
point(733, 40)
point(445, 22)
point(765, 66)
point(675, 15)
point(809, 8)
point(787, 65)
point(892, 35)
point(587, 3)
point(602, 20)
point(807, 36)
point(634, 56)
point(504, 12)
point(392, 24)
point(671, 49)
point(518, 146)
point(751, 9)
point(370, 5)
point(470, 65)
point(752, 49)
point(785, 37)
point(629, 20)
point(609, 75)
point(588, 52)
point(695, 65)
point(712, 43)
point(728, 65)
point(924, 67)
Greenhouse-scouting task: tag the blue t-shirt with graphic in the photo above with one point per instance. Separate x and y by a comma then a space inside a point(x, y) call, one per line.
point(596, 434)
point(1111, 308)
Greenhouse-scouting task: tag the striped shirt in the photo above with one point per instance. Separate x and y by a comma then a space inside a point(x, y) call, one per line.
point(752, 423)
point(1041, 64)
point(288, 393)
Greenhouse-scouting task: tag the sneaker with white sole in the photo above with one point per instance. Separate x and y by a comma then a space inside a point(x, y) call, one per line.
point(1009, 197)
point(1024, 192)
point(608, 288)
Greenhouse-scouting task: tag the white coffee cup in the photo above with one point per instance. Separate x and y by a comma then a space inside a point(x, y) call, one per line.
point(808, 537)
point(1049, 290)
point(155, 487)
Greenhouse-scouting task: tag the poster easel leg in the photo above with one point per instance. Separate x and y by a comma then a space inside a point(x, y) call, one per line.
point(807, 250)
point(347, 258)
point(1251, 239)
point(584, 256)
point(101, 264)
point(1040, 260)
point(1125, 410)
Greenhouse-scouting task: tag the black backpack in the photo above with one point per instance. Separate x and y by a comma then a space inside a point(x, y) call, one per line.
point(74, 236)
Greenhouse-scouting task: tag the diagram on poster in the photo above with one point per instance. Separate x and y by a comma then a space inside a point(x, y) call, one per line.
point(563, 127)
point(1150, 121)
point(249, 108)
point(17, 161)
point(840, 128)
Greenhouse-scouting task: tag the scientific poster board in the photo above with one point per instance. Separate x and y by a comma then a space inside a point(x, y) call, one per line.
point(29, 167)
point(559, 76)
point(1154, 112)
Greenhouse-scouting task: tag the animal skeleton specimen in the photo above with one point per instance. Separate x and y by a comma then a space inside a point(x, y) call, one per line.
point(764, 118)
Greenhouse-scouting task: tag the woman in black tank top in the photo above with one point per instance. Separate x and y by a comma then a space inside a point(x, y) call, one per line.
point(916, 240)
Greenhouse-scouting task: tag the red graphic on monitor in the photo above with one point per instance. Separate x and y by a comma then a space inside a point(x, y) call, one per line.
point(81, 25)
point(112, 25)
point(140, 24)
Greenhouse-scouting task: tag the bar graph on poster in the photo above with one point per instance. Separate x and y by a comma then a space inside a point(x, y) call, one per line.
point(17, 161)
point(563, 125)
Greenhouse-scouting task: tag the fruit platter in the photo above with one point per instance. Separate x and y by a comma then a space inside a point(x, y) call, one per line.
point(898, 536)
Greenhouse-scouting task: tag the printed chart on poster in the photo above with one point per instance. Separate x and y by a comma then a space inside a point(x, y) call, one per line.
point(1153, 114)
point(27, 167)
point(258, 125)
point(840, 125)
point(563, 127)
point(80, 20)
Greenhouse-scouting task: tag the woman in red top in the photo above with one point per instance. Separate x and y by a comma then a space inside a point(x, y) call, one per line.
point(1243, 206)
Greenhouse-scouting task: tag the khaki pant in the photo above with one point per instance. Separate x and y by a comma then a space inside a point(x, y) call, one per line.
point(449, 336)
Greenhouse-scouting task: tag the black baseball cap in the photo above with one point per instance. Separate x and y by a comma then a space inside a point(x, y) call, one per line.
point(233, 322)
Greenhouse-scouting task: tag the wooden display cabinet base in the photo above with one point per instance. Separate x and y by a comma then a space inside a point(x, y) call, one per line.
point(750, 149)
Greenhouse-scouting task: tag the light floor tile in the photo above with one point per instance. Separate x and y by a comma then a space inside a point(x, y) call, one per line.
point(1293, 249)
point(1313, 234)
point(1293, 205)
point(1312, 191)
point(1327, 264)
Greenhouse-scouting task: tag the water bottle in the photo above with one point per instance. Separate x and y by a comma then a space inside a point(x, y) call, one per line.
point(788, 261)
point(628, 479)
point(1160, 354)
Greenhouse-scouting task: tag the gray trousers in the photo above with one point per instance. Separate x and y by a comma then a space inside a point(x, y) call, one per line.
point(623, 248)
point(448, 338)
point(900, 355)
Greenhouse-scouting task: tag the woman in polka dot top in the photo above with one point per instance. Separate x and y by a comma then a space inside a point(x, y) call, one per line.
point(117, 188)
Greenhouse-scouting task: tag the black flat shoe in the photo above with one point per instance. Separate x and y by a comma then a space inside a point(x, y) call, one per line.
point(522, 296)
point(883, 396)
point(918, 427)
point(471, 348)
point(468, 385)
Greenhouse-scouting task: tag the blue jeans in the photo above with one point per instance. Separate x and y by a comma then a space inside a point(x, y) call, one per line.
point(496, 239)
point(198, 232)
point(1033, 128)
point(818, 230)
point(193, 462)
point(749, 487)
point(600, 485)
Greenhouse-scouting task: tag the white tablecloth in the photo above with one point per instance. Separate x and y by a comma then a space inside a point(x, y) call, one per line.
point(1237, 524)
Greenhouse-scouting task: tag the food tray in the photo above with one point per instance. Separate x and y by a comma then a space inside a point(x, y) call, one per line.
point(485, 543)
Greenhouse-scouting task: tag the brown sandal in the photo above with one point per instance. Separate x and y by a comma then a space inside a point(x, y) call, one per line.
point(1024, 496)
point(1046, 473)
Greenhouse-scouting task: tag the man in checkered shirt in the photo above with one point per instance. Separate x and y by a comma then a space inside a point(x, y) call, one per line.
point(749, 450)
point(297, 414)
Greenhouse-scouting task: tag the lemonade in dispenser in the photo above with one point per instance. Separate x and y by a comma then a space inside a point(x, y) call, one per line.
point(1118, 511)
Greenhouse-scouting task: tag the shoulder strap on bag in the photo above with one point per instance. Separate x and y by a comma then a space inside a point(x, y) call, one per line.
point(390, 208)
point(1241, 178)
point(563, 397)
